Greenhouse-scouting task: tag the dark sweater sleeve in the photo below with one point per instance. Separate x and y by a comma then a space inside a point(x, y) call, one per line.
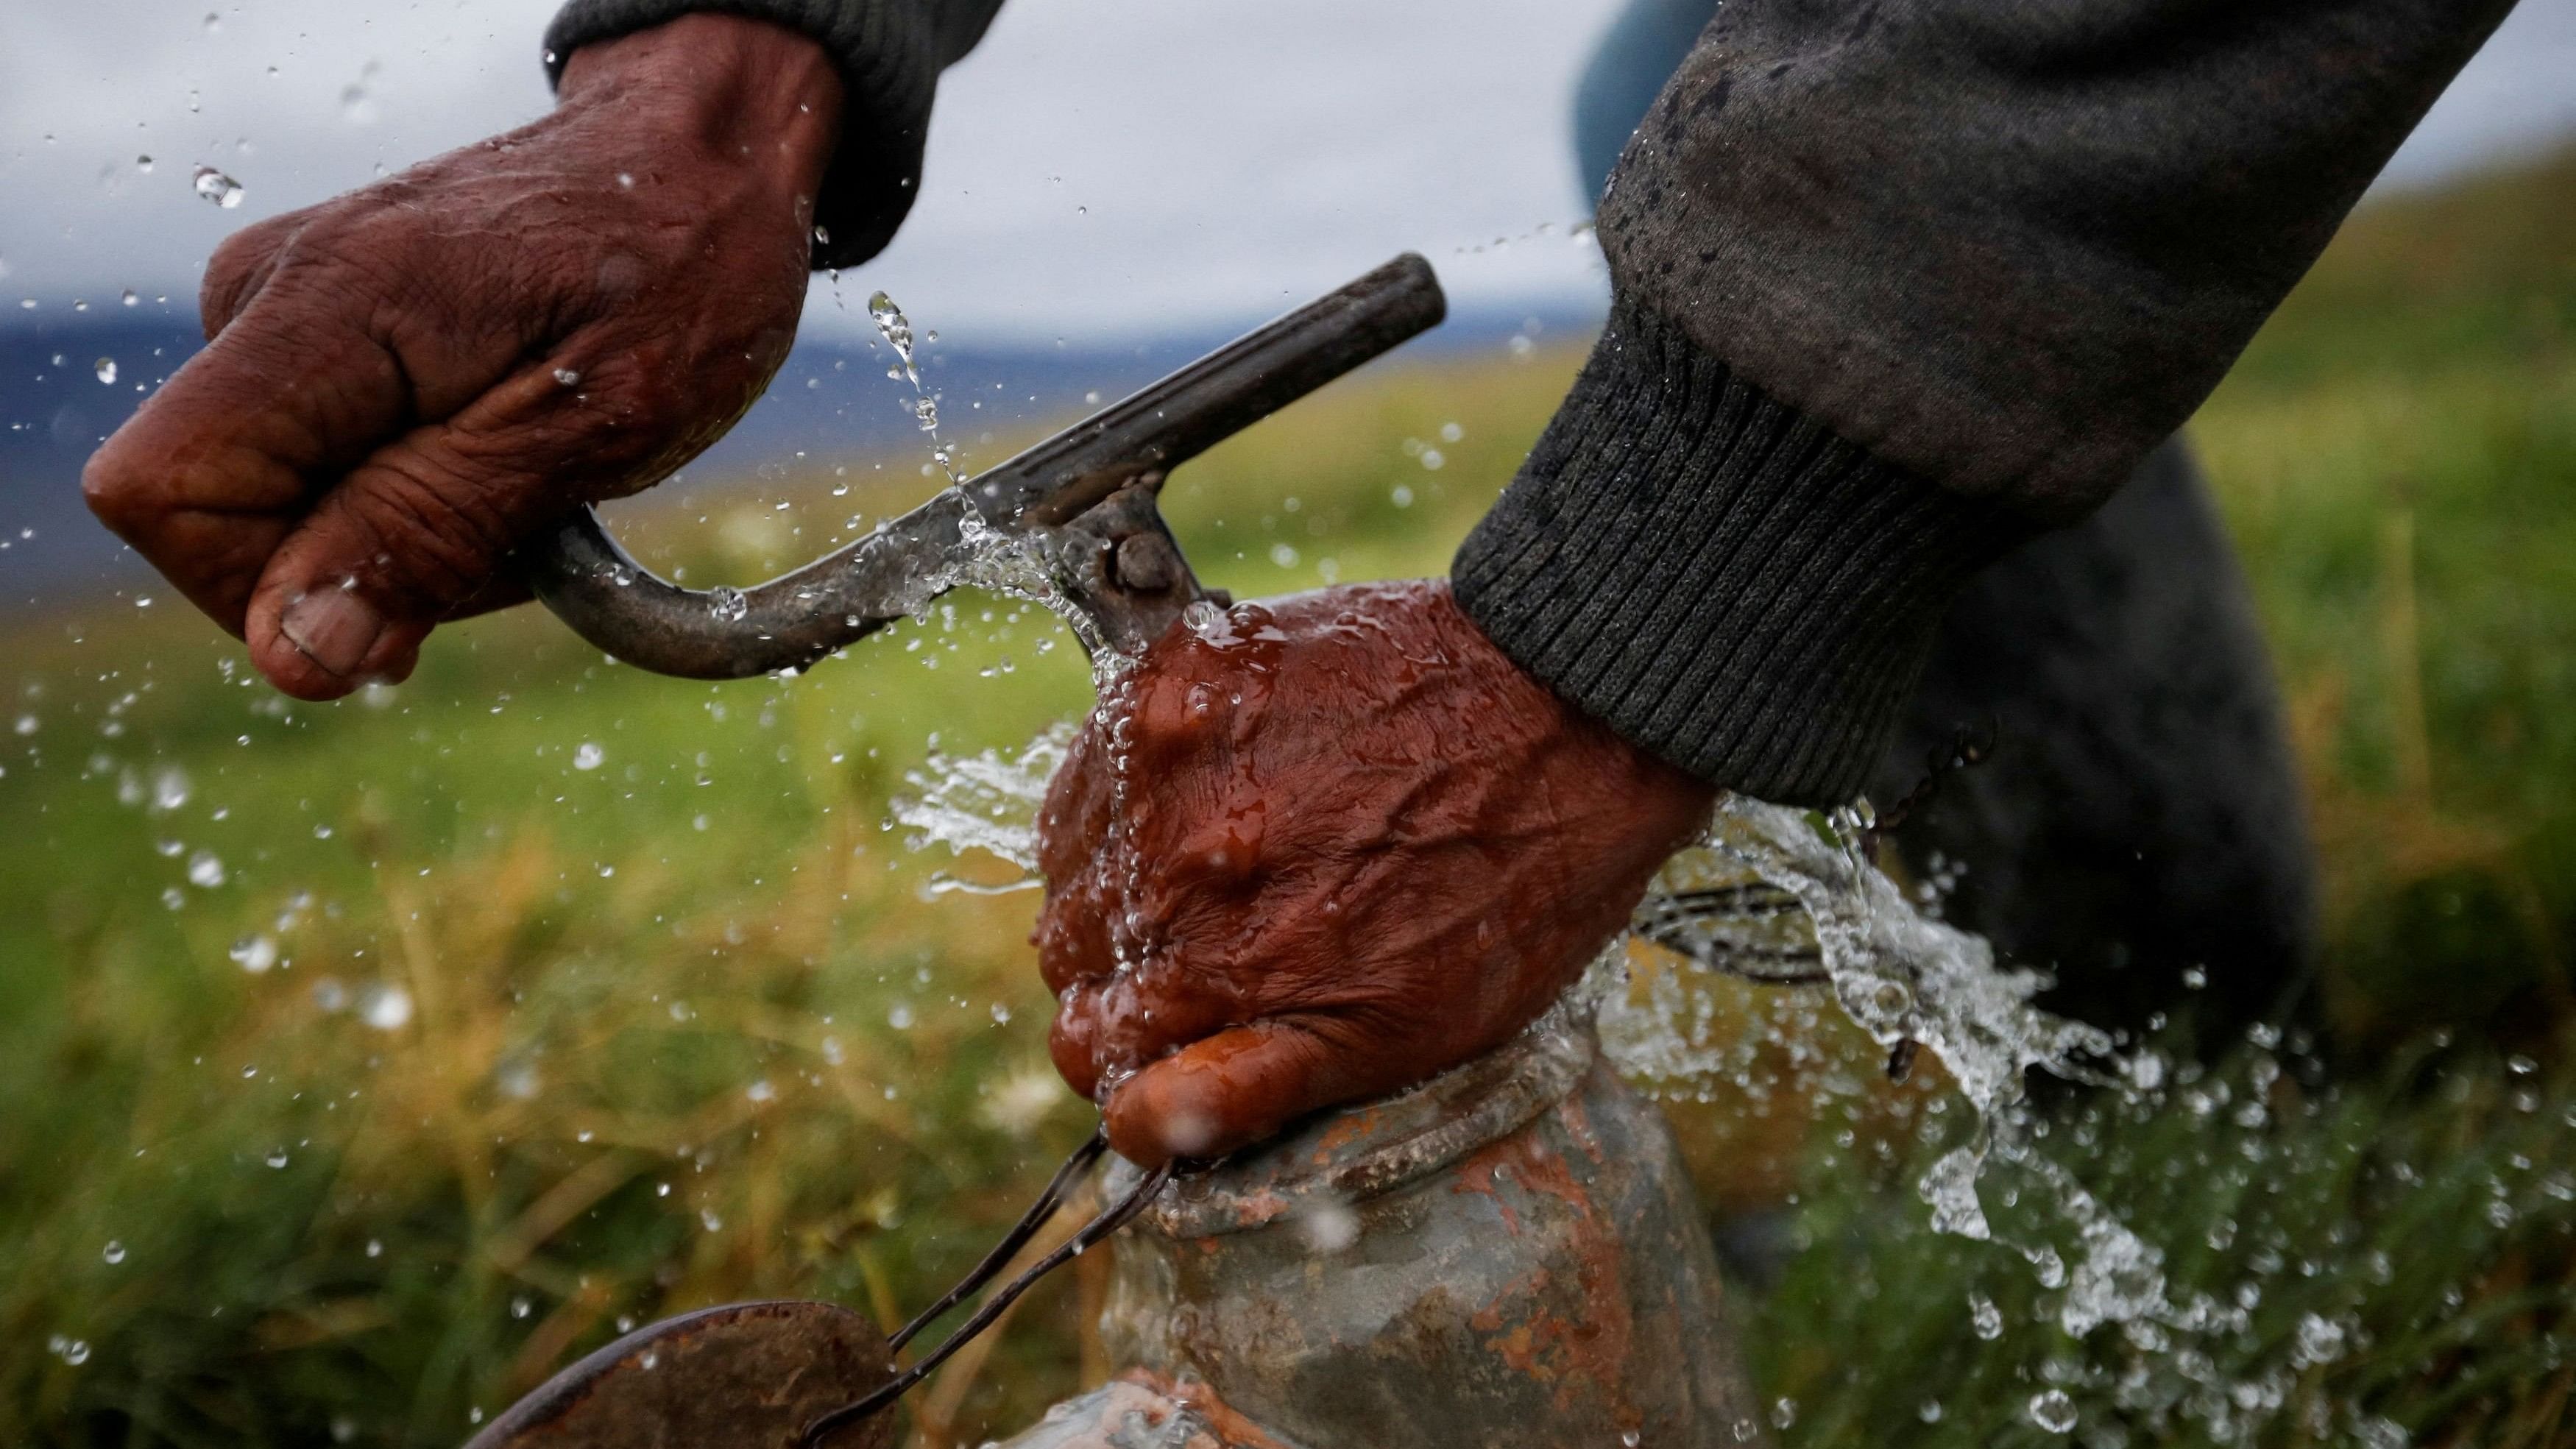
point(1897, 284)
point(890, 54)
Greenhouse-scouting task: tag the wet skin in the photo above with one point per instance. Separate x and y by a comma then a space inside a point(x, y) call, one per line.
point(1357, 845)
point(383, 409)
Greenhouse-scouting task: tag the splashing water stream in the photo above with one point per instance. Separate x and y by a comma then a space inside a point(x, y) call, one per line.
point(1905, 978)
point(896, 329)
point(986, 802)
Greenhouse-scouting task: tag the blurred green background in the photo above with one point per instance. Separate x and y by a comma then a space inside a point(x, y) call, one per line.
point(361, 1064)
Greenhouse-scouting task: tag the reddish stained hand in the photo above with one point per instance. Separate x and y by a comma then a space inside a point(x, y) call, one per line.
point(1357, 845)
point(404, 383)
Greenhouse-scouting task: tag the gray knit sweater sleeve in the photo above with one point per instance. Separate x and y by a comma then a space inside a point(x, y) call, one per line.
point(1896, 285)
point(890, 54)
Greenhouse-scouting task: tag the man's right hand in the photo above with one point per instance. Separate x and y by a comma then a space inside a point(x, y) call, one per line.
point(405, 383)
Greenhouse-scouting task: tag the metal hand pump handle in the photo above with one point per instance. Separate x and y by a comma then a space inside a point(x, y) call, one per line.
point(788, 1374)
point(1087, 492)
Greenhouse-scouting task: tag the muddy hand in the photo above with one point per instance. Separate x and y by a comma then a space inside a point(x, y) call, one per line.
point(405, 382)
point(1356, 845)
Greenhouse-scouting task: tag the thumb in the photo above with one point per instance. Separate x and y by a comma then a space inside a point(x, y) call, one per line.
point(1235, 1088)
point(412, 534)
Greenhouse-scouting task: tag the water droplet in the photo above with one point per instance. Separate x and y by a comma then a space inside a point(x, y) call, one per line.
point(567, 376)
point(170, 788)
point(144, 165)
point(900, 1016)
point(727, 604)
point(2052, 1410)
point(761, 1091)
point(1984, 1317)
point(713, 1224)
point(520, 1307)
point(70, 1350)
point(1328, 1226)
point(129, 299)
point(277, 1157)
point(205, 870)
point(106, 366)
point(1401, 496)
point(892, 325)
point(113, 1253)
point(385, 1007)
point(587, 756)
point(2320, 1341)
point(254, 954)
point(218, 188)
point(375, 1248)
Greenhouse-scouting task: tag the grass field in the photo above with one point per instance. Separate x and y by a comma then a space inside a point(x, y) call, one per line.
point(363, 1063)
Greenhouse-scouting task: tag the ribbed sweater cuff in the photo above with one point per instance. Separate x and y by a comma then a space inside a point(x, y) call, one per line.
point(1718, 577)
point(889, 56)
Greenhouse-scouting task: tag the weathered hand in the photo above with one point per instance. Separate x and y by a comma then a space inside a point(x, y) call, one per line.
point(1356, 845)
point(405, 382)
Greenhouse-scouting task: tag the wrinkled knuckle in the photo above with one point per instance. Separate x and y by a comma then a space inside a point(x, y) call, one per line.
point(117, 494)
point(654, 386)
point(438, 535)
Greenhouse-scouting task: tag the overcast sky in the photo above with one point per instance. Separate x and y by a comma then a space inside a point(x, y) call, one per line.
point(1097, 168)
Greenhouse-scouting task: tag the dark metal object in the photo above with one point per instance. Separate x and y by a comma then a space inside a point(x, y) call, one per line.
point(745, 1376)
point(1027, 1227)
point(1748, 929)
point(875, 1401)
point(1082, 498)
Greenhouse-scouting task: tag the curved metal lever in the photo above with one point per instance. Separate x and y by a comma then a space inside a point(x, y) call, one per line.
point(1112, 558)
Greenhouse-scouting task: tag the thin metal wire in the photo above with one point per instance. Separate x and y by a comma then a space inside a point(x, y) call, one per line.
point(1109, 1221)
point(1027, 1228)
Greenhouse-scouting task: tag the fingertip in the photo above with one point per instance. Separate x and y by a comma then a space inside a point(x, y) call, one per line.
point(1218, 1095)
point(1069, 1043)
point(1156, 1117)
point(323, 644)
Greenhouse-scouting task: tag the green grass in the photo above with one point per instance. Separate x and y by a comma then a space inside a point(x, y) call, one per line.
point(684, 1028)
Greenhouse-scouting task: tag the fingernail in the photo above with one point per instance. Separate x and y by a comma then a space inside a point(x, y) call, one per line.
point(334, 628)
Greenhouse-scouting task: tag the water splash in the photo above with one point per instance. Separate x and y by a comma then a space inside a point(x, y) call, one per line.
point(896, 329)
point(987, 802)
point(1905, 978)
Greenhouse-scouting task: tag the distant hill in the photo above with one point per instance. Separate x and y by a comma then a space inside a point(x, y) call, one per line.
point(832, 399)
